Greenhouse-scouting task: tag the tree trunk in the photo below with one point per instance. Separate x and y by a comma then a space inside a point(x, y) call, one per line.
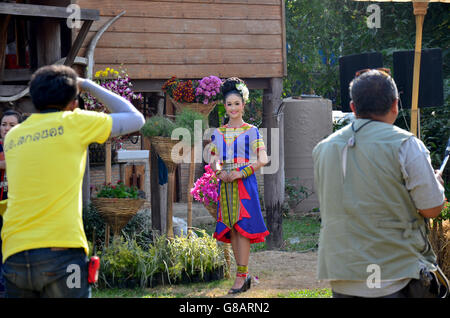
point(274, 182)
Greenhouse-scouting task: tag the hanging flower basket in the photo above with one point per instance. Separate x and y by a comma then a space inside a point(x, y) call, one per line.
point(117, 212)
point(201, 108)
point(164, 146)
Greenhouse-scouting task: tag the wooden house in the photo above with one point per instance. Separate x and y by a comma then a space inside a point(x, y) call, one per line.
point(189, 39)
point(155, 40)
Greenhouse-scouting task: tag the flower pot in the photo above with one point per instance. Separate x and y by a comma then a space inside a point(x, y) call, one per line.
point(117, 212)
point(203, 109)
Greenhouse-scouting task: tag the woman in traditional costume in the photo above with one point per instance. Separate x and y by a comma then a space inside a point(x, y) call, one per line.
point(237, 152)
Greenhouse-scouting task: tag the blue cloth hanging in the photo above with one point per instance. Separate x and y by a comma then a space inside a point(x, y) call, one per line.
point(163, 174)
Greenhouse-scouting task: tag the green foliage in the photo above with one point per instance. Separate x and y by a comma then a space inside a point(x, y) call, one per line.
point(319, 32)
point(138, 227)
point(163, 126)
point(445, 214)
point(158, 126)
point(120, 190)
point(187, 118)
point(295, 192)
point(193, 256)
point(309, 293)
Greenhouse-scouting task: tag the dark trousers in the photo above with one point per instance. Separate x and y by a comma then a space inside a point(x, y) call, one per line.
point(47, 273)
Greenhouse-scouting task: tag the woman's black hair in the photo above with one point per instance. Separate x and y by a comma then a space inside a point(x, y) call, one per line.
point(11, 112)
point(229, 87)
point(53, 86)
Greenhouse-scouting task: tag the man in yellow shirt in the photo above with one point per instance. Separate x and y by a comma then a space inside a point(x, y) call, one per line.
point(44, 244)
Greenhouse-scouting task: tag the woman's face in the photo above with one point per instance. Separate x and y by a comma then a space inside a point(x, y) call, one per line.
point(234, 106)
point(8, 122)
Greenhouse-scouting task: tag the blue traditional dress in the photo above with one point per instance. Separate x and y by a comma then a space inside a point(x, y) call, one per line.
point(238, 205)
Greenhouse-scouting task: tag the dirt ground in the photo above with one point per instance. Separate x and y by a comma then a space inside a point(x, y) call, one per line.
point(281, 272)
point(277, 272)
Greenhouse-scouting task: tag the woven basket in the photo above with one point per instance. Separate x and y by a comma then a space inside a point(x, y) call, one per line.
point(164, 146)
point(440, 240)
point(203, 109)
point(117, 212)
point(212, 209)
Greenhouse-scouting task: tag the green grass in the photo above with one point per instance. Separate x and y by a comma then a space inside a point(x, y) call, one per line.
point(308, 293)
point(166, 291)
point(300, 234)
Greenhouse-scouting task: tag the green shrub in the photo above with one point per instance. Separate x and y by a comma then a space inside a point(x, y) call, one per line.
point(193, 256)
point(158, 126)
point(186, 119)
point(120, 190)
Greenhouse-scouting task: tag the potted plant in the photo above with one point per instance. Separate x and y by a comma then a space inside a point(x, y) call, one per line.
point(159, 130)
point(117, 204)
point(198, 95)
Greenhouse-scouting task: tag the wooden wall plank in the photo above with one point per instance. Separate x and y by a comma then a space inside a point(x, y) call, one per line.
point(187, 56)
point(186, 41)
point(150, 71)
point(203, 26)
point(252, 2)
point(184, 10)
point(191, 38)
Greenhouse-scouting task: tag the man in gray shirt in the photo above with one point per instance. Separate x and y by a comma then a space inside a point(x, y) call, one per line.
point(374, 202)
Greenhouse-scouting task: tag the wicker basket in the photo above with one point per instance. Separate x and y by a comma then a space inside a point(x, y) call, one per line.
point(212, 209)
point(203, 109)
point(440, 240)
point(117, 212)
point(164, 146)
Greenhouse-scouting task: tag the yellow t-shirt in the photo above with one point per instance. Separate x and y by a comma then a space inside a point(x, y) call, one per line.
point(45, 159)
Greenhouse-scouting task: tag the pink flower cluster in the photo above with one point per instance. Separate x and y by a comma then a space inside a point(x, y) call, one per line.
point(208, 89)
point(206, 188)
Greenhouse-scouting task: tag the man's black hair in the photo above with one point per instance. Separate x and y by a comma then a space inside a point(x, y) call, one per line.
point(373, 93)
point(53, 86)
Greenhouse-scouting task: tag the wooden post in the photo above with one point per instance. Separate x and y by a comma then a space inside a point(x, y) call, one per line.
point(108, 177)
point(420, 10)
point(155, 196)
point(170, 186)
point(274, 183)
point(3, 39)
point(48, 42)
point(190, 185)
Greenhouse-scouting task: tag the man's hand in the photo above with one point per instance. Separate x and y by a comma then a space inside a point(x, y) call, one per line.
point(439, 177)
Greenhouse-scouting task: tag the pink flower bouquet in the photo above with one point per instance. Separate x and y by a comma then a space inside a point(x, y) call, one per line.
point(206, 188)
